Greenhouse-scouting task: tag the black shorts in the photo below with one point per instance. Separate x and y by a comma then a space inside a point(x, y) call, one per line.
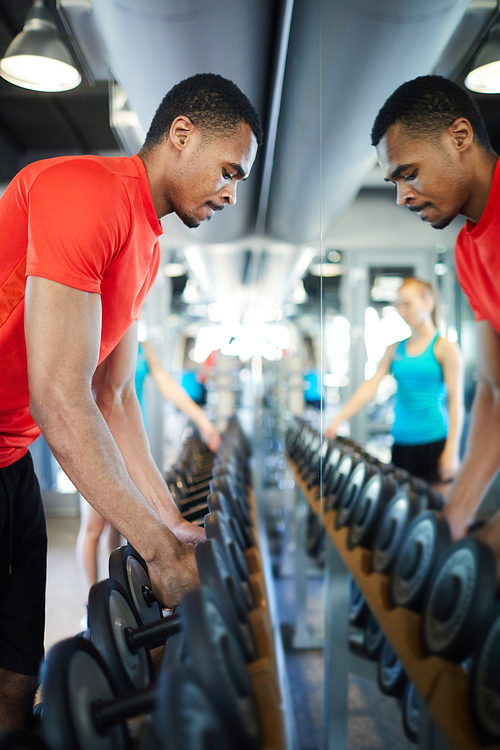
point(420, 460)
point(23, 567)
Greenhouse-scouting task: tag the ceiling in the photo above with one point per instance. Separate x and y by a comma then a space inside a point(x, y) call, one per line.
point(316, 70)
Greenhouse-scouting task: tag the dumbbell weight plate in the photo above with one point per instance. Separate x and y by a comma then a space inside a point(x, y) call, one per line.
point(459, 600)
point(376, 494)
point(373, 638)
point(219, 661)
point(215, 574)
point(398, 514)
point(218, 501)
point(186, 717)
point(74, 678)
point(484, 684)
point(344, 471)
point(391, 676)
point(411, 712)
point(316, 472)
point(128, 568)
point(309, 455)
point(425, 540)
point(330, 469)
point(217, 527)
point(359, 610)
point(224, 484)
point(352, 490)
point(110, 614)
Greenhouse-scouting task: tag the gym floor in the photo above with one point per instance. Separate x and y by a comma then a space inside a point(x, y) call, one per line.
point(374, 719)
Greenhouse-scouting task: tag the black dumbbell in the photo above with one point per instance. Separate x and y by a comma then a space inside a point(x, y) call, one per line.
point(214, 571)
point(236, 496)
point(331, 464)
point(187, 716)
point(373, 638)
point(348, 497)
point(342, 474)
point(217, 527)
point(194, 507)
point(218, 501)
point(121, 639)
point(124, 644)
point(189, 490)
point(316, 473)
point(315, 536)
point(303, 462)
point(359, 610)
point(459, 600)
point(431, 499)
point(299, 446)
point(216, 575)
point(197, 462)
point(83, 710)
point(128, 568)
point(391, 676)
point(425, 540)
point(376, 494)
point(410, 709)
point(203, 614)
point(397, 516)
point(484, 683)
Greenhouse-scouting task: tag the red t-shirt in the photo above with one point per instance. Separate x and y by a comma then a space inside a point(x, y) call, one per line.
point(87, 222)
point(477, 258)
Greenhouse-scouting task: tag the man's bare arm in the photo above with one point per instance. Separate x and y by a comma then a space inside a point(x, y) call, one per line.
point(114, 391)
point(482, 457)
point(62, 329)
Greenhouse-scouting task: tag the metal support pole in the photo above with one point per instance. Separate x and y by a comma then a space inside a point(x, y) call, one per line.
point(336, 652)
point(304, 637)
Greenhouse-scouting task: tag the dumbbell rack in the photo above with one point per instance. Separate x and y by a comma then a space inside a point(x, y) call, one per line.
point(442, 685)
point(287, 733)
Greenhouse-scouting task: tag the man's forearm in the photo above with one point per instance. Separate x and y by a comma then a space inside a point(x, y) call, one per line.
point(124, 419)
point(83, 445)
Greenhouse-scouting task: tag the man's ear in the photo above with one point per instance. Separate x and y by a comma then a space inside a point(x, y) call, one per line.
point(461, 133)
point(181, 131)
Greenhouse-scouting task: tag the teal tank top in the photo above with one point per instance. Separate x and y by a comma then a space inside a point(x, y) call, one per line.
point(420, 412)
point(141, 371)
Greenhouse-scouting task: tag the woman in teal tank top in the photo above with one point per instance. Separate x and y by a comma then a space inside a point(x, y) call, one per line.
point(429, 399)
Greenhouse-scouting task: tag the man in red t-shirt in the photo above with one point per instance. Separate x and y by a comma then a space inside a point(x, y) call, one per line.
point(78, 254)
point(433, 146)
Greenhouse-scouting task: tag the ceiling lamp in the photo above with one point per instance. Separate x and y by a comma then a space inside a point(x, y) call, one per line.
point(484, 76)
point(37, 58)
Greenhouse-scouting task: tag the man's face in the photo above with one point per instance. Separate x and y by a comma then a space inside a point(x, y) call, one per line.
point(208, 176)
point(428, 176)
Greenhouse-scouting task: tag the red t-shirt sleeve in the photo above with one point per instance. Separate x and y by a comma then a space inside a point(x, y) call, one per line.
point(78, 220)
point(465, 282)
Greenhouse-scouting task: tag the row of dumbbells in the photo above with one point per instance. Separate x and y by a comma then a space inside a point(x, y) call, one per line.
point(189, 671)
point(367, 639)
point(399, 519)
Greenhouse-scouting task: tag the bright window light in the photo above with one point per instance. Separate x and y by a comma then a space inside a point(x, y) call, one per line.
point(243, 341)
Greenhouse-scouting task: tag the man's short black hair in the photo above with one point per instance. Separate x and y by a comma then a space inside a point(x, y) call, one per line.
point(427, 106)
point(212, 103)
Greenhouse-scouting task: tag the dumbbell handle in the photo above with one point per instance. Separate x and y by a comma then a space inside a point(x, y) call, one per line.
point(154, 633)
point(106, 714)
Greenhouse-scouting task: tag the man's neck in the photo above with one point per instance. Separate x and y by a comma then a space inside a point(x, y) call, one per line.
point(480, 187)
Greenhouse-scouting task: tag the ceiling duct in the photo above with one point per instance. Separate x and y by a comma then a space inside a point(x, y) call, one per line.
point(157, 43)
point(345, 58)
